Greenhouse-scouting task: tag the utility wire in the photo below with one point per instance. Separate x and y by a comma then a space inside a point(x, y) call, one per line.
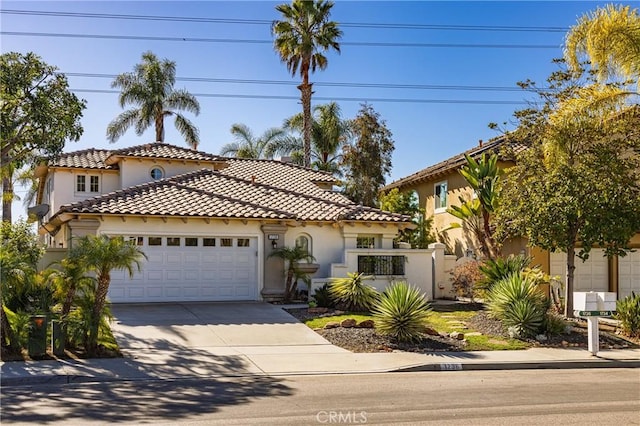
point(253, 41)
point(320, 98)
point(321, 84)
point(407, 26)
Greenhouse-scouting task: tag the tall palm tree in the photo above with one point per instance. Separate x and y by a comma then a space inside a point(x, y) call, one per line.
point(150, 88)
point(301, 38)
point(103, 254)
point(610, 38)
point(271, 142)
point(328, 133)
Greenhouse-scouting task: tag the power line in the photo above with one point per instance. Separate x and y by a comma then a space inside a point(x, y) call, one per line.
point(408, 26)
point(322, 84)
point(320, 98)
point(253, 41)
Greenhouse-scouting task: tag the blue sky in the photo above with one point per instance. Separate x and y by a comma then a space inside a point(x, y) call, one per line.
point(437, 124)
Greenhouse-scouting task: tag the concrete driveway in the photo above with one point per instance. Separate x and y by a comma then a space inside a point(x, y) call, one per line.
point(213, 338)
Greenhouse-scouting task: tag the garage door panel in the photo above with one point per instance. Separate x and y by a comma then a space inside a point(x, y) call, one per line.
point(591, 275)
point(176, 273)
point(628, 275)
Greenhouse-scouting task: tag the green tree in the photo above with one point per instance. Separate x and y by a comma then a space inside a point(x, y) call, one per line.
point(103, 254)
point(248, 146)
point(292, 256)
point(38, 115)
point(609, 38)
point(407, 203)
point(20, 252)
point(578, 183)
point(150, 88)
point(328, 133)
point(367, 160)
point(69, 276)
point(302, 37)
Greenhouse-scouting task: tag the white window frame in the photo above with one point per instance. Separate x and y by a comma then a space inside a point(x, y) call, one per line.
point(437, 196)
point(86, 183)
point(162, 174)
point(81, 180)
point(368, 236)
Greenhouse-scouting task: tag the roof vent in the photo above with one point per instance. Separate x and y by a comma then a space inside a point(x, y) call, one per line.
point(480, 143)
point(253, 179)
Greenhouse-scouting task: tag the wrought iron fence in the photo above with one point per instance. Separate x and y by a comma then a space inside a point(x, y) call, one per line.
point(381, 265)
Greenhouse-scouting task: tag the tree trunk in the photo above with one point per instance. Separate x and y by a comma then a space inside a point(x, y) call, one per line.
point(101, 296)
point(68, 301)
point(7, 188)
point(305, 92)
point(160, 128)
point(568, 291)
point(287, 289)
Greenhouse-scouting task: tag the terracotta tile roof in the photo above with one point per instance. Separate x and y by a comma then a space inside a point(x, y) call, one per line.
point(85, 159)
point(494, 145)
point(220, 194)
point(161, 150)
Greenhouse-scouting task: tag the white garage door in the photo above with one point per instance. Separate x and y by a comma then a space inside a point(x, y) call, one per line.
point(629, 274)
point(592, 275)
point(182, 268)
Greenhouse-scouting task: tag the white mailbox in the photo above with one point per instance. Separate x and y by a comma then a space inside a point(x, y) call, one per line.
point(594, 301)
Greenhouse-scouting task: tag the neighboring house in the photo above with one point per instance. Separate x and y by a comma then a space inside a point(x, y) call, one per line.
point(440, 186)
point(207, 223)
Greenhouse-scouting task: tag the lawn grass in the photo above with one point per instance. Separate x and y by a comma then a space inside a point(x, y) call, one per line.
point(443, 322)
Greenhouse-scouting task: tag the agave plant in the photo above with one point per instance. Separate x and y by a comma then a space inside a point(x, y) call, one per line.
point(353, 292)
point(402, 312)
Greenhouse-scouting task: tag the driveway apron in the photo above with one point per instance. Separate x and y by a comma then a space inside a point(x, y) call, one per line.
point(214, 338)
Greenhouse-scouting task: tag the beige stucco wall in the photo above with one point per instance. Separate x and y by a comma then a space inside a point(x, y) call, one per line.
point(134, 171)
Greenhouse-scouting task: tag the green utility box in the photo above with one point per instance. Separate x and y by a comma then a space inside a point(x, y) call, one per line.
point(38, 335)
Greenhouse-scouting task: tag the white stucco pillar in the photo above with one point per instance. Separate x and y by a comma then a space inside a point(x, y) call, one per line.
point(439, 272)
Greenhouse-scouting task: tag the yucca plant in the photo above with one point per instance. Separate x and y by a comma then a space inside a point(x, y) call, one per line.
point(402, 312)
point(494, 270)
point(353, 292)
point(517, 302)
point(628, 313)
point(323, 298)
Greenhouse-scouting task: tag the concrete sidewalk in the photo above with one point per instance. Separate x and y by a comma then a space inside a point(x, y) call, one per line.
point(191, 344)
point(283, 361)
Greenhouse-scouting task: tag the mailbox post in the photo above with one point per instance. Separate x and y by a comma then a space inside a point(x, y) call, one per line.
point(592, 305)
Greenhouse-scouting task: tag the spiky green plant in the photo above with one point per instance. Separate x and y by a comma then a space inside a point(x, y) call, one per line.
point(518, 303)
point(628, 313)
point(494, 270)
point(323, 298)
point(401, 312)
point(353, 292)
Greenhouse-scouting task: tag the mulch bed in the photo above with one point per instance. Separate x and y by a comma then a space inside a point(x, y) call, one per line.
point(367, 340)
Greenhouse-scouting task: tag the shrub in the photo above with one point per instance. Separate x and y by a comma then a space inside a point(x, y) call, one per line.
point(554, 324)
point(323, 298)
point(401, 312)
point(353, 293)
point(517, 302)
point(494, 270)
point(464, 277)
point(628, 313)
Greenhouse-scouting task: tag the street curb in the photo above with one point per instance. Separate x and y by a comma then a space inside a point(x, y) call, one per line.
point(529, 365)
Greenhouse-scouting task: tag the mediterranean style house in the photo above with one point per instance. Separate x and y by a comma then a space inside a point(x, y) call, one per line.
point(441, 185)
point(208, 224)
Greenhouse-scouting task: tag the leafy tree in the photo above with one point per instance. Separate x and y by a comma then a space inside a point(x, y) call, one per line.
point(103, 254)
point(609, 38)
point(20, 252)
point(292, 256)
point(328, 133)
point(39, 114)
point(248, 146)
point(578, 183)
point(367, 160)
point(150, 88)
point(407, 203)
point(302, 37)
point(69, 277)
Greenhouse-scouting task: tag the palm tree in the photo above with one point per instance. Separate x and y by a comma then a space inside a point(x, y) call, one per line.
point(328, 132)
point(103, 254)
point(292, 255)
point(271, 142)
point(150, 88)
point(68, 278)
point(610, 38)
point(301, 38)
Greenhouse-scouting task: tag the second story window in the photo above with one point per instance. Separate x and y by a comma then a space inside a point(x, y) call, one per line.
point(366, 241)
point(440, 196)
point(94, 184)
point(157, 173)
point(81, 183)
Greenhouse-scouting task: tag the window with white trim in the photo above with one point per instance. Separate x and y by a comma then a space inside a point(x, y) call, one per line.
point(366, 241)
point(93, 184)
point(440, 192)
point(81, 183)
point(156, 173)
